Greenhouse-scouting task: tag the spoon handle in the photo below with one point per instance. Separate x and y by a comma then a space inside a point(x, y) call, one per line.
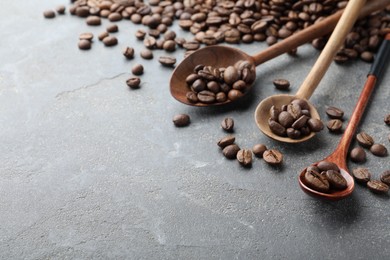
point(335, 41)
point(381, 60)
point(312, 32)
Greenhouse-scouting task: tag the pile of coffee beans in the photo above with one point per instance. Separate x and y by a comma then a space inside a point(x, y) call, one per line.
point(210, 85)
point(293, 120)
point(363, 176)
point(324, 177)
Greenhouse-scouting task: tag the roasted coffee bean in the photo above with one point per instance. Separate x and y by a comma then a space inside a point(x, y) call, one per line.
point(191, 45)
point(274, 113)
point(277, 128)
point(258, 150)
point(336, 180)
point(140, 34)
point(84, 45)
point(110, 41)
point(227, 140)
point(282, 84)
point(61, 9)
point(146, 54)
point(128, 52)
point(206, 97)
point(133, 82)
point(239, 85)
point(227, 124)
point(377, 187)
point(378, 150)
point(167, 61)
point(316, 181)
point(93, 20)
point(244, 157)
point(273, 157)
point(301, 103)
point(295, 110)
point(326, 166)
point(192, 97)
point(198, 85)
point(234, 94)
point(315, 124)
point(300, 122)
point(102, 35)
point(230, 75)
point(285, 119)
point(192, 78)
point(49, 14)
point(181, 120)
point(385, 177)
point(364, 139)
point(86, 36)
point(334, 112)
point(293, 133)
point(137, 69)
point(357, 155)
point(169, 45)
point(335, 125)
point(230, 151)
point(387, 119)
point(150, 42)
point(361, 175)
point(367, 56)
point(112, 28)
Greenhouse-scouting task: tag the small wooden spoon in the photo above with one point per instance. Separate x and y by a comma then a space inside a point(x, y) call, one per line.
point(312, 80)
point(222, 56)
point(339, 156)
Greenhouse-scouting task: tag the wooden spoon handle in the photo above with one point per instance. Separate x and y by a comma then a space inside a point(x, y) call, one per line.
point(312, 32)
point(334, 43)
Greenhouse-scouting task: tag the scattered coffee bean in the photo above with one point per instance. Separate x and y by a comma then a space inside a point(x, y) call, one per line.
point(231, 151)
point(361, 175)
point(133, 82)
point(137, 69)
point(227, 124)
point(93, 20)
point(84, 45)
point(282, 84)
point(61, 9)
point(273, 157)
point(140, 34)
point(103, 35)
point(128, 52)
point(378, 150)
point(112, 28)
point(258, 150)
point(181, 120)
point(315, 124)
point(146, 54)
point(86, 36)
point(316, 181)
point(385, 177)
point(244, 157)
point(334, 112)
point(387, 119)
point(49, 14)
point(357, 155)
point(335, 125)
point(110, 41)
point(364, 139)
point(225, 141)
point(377, 187)
point(367, 56)
point(167, 61)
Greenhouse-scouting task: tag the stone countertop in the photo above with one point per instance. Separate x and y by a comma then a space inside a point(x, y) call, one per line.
point(92, 169)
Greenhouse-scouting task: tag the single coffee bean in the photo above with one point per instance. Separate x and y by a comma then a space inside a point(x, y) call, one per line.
point(361, 175)
point(181, 120)
point(313, 168)
point(387, 119)
point(282, 84)
point(198, 85)
point(274, 113)
point(244, 157)
point(385, 177)
point(103, 35)
point(167, 61)
point(239, 85)
point(315, 124)
point(364, 139)
point(84, 45)
point(192, 97)
point(150, 42)
point(230, 151)
point(225, 141)
point(334, 112)
point(191, 78)
point(378, 150)
point(300, 122)
point(221, 97)
point(49, 14)
point(273, 157)
point(335, 125)
point(258, 150)
point(358, 155)
point(61, 9)
point(231, 75)
point(316, 181)
point(293, 133)
point(133, 82)
point(377, 187)
point(206, 96)
point(227, 124)
point(114, 17)
point(169, 45)
point(285, 119)
point(277, 128)
point(128, 52)
point(93, 20)
point(336, 180)
point(326, 166)
point(137, 69)
point(140, 34)
point(191, 45)
point(367, 56)
point(295, 110)
point(86, 36)
point(110, 41)
point(234, 94)
point(112, 28)
point(146, 54)
point(301, 103)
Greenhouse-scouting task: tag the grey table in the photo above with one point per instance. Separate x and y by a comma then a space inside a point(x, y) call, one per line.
point(92, 169)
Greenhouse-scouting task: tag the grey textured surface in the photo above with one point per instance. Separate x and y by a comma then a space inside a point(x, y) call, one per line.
point(91, 169)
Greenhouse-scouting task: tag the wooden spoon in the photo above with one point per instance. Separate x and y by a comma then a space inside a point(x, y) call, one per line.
point(314, 77)
point(339, 156)
point(222, 56)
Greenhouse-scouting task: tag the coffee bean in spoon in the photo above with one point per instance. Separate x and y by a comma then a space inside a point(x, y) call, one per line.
point(336, 180)
point(316, 181)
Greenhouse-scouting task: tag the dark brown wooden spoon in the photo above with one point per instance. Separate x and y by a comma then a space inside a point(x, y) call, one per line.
point(222, 56)
point(339, 156)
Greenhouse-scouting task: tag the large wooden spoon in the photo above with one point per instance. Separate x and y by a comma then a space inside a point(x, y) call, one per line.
point(314, 77)
point(339, 156)
point(222, 56)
